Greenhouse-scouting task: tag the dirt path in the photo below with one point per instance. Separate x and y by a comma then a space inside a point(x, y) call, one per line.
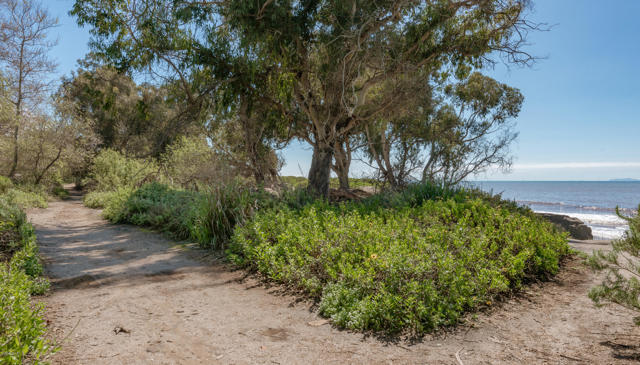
point(135, 297)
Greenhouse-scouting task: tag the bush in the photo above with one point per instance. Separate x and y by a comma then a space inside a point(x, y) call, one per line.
point(191, 162)
point(5, 184)
point(22, 329)
point(412, 261)
point(27, 197)
point(155, 205)
point(621, 284)
point(112, 170)
point(205, 217)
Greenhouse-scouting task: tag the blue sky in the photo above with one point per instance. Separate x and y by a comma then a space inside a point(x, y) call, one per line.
point(581, 115)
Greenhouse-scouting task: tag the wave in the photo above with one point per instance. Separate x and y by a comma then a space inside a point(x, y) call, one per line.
point(625, 211)
point(603, 233)
point(603, 226)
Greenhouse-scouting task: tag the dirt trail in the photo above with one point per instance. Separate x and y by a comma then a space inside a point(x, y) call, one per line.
point(135, 297)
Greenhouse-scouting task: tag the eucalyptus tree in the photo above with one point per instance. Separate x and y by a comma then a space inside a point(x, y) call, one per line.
point(24, 47)
point(447, 134)
point(321, 59)
point(336, 54)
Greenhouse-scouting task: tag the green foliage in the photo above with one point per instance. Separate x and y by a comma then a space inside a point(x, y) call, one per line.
point(412, 261)
point(208, 218)
point(299, 181)
point(22, 328)
point(621, 284)
point(191, 162)
point(59, 191)
point(5, 184)
point(26, 196)
point(220, 211)
point(112, 170)
point(154, 205)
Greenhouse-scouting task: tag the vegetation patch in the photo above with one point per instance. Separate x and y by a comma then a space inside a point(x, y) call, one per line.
point(413, 261)
point(22, 328)
point(208, 218)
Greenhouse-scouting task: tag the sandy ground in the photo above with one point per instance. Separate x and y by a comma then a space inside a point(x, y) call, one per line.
point(122, 295)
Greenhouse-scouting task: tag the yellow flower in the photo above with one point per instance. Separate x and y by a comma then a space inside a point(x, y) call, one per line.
point(374, 256)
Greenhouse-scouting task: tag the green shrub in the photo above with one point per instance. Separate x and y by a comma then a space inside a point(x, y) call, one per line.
point(412, 261)
point(27, 197)
point(220, 211)
point(22, 329)
point(5, 184)
point(157, 206)
point(208, 218)
point(112, 170)
point(621, 283)
point(59, 191)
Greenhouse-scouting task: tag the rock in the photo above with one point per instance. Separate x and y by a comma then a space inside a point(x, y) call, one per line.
point(576, 228)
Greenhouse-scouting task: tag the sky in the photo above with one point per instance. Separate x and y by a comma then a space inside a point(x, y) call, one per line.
point(581, 116)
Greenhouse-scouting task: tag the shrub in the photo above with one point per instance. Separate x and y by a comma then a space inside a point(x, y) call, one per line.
point(112, 170)
point(621, 283)
point(192, 162)
point(27, 197)
point(22, 329)
point(208, 218)
point(157, 206)
point(59, 191)
point(411, 261)
point(5, 184)
point(221, 210)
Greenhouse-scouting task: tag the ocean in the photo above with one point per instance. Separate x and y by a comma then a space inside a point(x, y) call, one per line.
point(593, 202)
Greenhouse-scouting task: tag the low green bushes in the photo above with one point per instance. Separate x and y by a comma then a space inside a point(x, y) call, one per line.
point(22, 329)
point(412, 261)
point(208, 218)
point(27, 197)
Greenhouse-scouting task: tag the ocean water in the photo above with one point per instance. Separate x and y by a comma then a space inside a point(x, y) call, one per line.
point(593, 202)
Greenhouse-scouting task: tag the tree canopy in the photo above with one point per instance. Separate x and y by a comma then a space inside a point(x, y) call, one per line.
point(319, 71)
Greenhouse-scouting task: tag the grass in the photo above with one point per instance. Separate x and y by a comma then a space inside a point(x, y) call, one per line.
point(208, 217)
point(301, 182)
point(22, 329)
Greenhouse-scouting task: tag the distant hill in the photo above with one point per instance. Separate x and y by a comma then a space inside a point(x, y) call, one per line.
point(625, 179)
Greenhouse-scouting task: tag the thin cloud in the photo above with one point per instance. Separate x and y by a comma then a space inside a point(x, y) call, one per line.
point(574, 165)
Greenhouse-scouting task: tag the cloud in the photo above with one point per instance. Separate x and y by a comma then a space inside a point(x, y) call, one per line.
point(574, 165)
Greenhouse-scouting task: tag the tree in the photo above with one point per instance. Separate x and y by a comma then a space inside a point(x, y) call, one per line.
point(336, 53)
point(325, 59)
point(24, 45)
point(621, 283)
point(138, 120)
point(446, 136)
point(185, 45)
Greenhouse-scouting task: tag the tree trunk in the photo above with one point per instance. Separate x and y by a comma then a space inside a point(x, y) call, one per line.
point(342, 163)
point(14, 164)
point(39, 177)
point(320, 170)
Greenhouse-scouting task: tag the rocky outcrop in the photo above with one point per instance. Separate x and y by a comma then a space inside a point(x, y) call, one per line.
point(576, 228)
